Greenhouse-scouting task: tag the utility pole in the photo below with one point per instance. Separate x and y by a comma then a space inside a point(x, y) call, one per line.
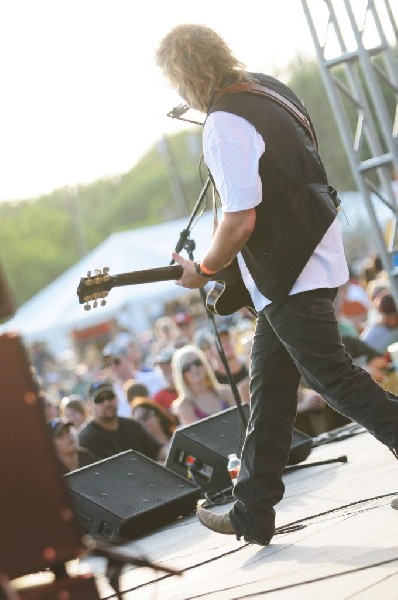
point(177, 190)
point(81, 242)
point(7, 302)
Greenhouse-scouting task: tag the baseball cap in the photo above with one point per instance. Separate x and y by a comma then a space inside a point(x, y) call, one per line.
point(203, 338)
point(115, 350)
point(98, 387)
point(56, 426)
point(164, 356)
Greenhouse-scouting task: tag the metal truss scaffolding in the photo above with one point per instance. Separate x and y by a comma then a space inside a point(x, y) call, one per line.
point(356, 44)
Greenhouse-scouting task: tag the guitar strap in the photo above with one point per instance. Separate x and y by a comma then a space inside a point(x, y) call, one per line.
point(215, 196)
point(276, 97)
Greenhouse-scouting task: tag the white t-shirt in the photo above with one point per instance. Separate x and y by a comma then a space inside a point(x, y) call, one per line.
point(232, 148)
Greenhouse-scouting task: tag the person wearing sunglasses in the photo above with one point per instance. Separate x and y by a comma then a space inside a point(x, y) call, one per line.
point(70, 455)
point(108, 433)
point(199, 393)
point(157, 420)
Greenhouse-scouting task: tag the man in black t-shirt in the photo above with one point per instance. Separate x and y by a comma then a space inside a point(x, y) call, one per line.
point(107, 434)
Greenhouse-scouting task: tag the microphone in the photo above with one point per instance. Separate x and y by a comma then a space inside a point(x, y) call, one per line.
point(178, 111)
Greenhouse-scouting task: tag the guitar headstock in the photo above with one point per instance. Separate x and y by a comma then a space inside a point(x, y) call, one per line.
point(95, 287)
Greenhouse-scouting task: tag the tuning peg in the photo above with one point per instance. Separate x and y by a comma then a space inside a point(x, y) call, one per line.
point(97, 271)
point(105, 270)
point(87, 306)
point(88, 273)
point(103, 302)
point(95, 304)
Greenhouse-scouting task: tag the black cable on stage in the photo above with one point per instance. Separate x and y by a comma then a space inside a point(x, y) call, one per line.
point(295, 585)
point(154, 581)
point(288, 528)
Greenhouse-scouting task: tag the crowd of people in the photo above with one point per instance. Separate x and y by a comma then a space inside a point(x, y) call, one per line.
point(136, 390)
point(133, 393)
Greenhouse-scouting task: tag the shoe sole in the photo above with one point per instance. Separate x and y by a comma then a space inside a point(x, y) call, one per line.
point(208, 526)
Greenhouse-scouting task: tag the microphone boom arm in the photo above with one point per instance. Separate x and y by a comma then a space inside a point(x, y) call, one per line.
point(178, 111)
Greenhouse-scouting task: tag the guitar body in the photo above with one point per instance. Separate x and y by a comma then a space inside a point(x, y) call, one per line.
point(224, 299)
point(229, 293)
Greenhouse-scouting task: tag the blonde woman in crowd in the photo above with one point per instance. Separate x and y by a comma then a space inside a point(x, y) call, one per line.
point(199, 393)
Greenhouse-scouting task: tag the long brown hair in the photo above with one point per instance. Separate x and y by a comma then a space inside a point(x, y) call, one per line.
point(199, 63)
point(167, 420)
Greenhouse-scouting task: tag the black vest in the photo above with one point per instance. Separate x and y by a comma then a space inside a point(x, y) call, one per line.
point(298, 205)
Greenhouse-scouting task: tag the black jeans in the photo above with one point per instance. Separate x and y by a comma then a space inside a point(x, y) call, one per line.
point(294, 338)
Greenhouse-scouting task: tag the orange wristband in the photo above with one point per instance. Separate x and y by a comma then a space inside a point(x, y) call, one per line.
point(205, 270)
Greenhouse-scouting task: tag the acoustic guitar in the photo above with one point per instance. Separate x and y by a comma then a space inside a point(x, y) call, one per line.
point(226, 297)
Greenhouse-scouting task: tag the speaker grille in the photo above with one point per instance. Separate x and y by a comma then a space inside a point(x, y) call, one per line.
point(129, 494)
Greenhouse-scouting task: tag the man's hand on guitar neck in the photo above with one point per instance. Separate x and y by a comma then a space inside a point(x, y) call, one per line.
point(229, 238)
point(190, 278)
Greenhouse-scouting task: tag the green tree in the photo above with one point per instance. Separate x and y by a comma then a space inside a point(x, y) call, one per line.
point(41, 238)
point(307, 83)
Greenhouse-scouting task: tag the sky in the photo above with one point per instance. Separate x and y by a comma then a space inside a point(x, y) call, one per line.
point(82, 98)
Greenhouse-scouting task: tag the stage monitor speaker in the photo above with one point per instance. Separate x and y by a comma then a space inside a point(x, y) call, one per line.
point(37, 524)
point(203, 447)
point(124, 496)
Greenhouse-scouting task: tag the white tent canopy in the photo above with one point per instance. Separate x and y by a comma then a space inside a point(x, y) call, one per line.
point(54, 312)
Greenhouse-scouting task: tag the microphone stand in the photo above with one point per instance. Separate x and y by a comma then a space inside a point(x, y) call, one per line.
point(186, 243)
point(189, 246)
point(184, 234)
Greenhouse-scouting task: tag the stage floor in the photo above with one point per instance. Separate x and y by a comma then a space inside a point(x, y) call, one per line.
point(337, 539)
